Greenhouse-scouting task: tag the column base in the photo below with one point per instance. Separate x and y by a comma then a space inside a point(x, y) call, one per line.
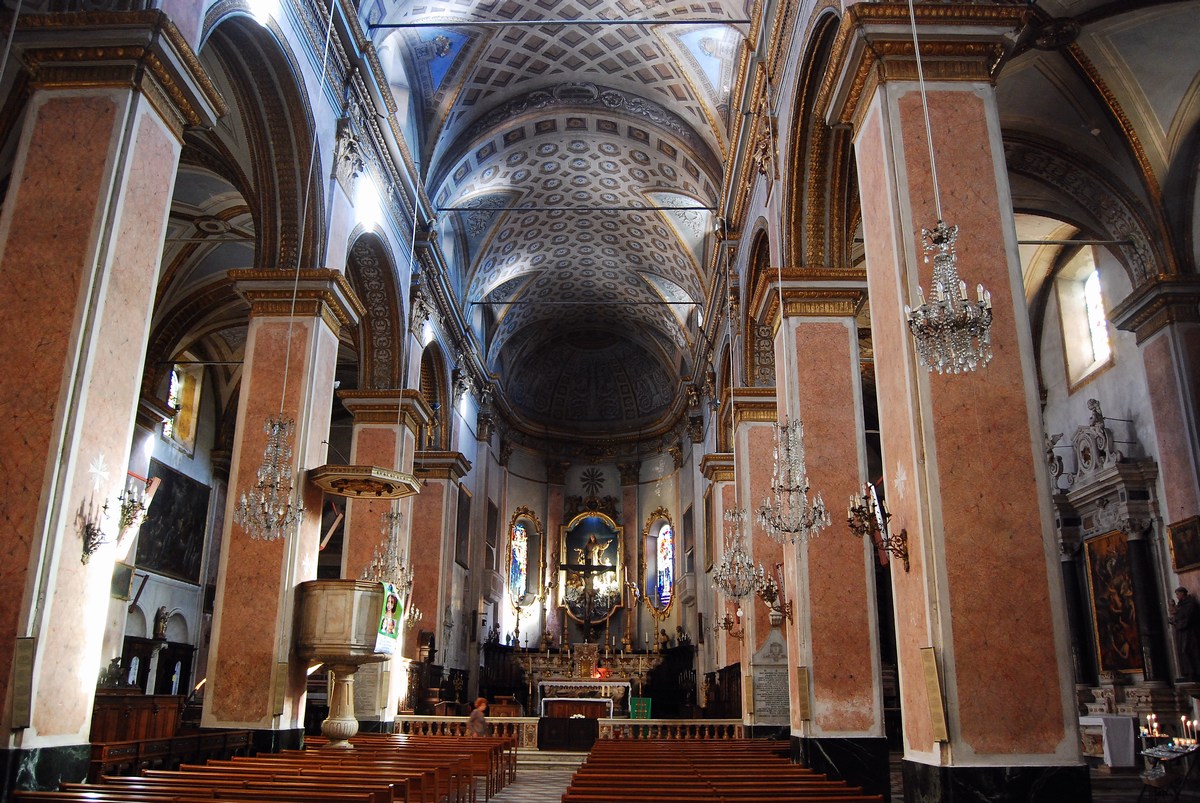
point(43, 768)
point(272, 741)
point(859, 761)
point(925, 783)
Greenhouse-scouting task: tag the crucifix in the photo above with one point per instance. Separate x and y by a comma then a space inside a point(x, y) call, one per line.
point(585, 572)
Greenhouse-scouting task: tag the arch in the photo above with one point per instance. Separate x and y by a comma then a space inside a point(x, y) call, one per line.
point(371, 272)
point(177, 628)
point(135, 623)
point(759, 341)
point(1091, 200)
point(276, 131)
point(821, 192)
point(435, 389)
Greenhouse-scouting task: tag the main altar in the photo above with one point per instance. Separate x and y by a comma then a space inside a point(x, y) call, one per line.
point(581, 673)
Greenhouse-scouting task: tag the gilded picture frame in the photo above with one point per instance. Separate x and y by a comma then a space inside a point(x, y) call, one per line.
point(1183, 537)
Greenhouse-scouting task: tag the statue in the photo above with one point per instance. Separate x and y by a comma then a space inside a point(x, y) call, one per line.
point(160, 623)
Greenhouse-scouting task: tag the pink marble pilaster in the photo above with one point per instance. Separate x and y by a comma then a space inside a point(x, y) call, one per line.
point(82, 282)
point(429, 559)
point(958, 450)
point(839, 601)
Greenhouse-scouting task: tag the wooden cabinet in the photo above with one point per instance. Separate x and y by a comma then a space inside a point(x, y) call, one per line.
point(123, 716)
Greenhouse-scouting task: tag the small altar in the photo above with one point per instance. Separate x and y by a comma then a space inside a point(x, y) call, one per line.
point(615, 693)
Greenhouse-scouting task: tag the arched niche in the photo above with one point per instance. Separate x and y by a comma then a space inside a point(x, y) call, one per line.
point(523, 561)
point(659, 562)
point(591, 568)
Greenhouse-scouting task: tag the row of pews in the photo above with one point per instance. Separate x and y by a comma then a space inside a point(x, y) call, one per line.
point(379, 769)
point(717, 771)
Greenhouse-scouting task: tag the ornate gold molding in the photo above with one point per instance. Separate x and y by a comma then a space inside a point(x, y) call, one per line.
point(441, 465)
point(874, 45)
point(383, 407)
point(139, 50)
point(1159, 303)
point(764, 301)
point(320, 291)
point(717, 467)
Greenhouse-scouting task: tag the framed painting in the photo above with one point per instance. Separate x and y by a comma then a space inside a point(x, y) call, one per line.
point(591, 565)
point(710, 529)
point(689, 542)
point(462, 531)
point(1114, 615)
point(122, 581)
point(171, 539)
point(1184, 539)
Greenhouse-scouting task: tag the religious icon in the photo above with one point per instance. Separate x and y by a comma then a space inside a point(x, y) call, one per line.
point(591, 563)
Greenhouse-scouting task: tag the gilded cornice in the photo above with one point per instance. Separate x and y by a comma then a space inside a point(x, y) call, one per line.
point(321, 291)
point(383, 407)
point(441, 465)
point(1156, 304)
point(750, 406)
point(764, 300)
point(874, 44)
point(141, 50)
point(717, 467)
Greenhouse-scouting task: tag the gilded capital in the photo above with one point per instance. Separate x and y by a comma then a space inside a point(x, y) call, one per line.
point(1158, 303)
point(138, 50)
point(322, 292)
point(875, 45)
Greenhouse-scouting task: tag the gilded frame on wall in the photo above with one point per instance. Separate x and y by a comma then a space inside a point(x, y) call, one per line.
point(1183, 537)
point(534, 545)
point(591, 539)
point(1114, 614)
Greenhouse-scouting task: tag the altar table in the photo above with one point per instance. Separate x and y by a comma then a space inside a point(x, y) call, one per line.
point(566, 707)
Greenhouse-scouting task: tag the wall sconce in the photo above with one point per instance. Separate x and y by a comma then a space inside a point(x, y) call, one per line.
point(731, 625)
point(868, 518)
point(771, 592)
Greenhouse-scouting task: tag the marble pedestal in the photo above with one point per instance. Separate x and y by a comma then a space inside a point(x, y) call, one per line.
point(925, 783)
point(859, 761)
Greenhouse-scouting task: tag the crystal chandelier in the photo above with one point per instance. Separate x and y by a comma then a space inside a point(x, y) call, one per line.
point(388, 564)
point(735, 575)
point(786, 514)
point(953, 333)
point(266, 511)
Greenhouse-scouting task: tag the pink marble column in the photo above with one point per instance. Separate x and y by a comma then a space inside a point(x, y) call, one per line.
point(1163, 315)
point(556, 477)
point(630, 520)
point(961, 454)
point(255, 679)
point(432, 542)
point(81, 236)
point(831, 578)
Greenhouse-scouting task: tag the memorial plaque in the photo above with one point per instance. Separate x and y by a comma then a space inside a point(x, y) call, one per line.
point(770, 695)
point(366, 691)
point(769, 674)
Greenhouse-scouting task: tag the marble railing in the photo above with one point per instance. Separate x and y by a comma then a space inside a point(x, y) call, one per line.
point(525, 729)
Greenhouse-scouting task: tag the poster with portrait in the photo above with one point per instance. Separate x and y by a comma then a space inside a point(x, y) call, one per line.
point(171, 539)
point(390, 620)
point(1114, 617)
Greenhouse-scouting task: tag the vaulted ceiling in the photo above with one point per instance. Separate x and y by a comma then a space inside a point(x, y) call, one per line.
point(576, 168)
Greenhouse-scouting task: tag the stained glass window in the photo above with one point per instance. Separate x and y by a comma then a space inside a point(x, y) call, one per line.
point(664, 586)
point(518, 566)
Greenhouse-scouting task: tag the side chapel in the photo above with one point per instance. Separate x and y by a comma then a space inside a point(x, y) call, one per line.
point(826, 371)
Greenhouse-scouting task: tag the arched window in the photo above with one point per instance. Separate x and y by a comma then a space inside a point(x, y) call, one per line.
point(1086, 342)
point(524, 557)
point(664, 586)
point(658, 560)
point(518, 562)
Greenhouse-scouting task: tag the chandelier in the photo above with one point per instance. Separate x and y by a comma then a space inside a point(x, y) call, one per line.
point(953, 333)
point(735, 575)
point(387, 564)
point(771, 592)
point(266, 511)
point(786, 514)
